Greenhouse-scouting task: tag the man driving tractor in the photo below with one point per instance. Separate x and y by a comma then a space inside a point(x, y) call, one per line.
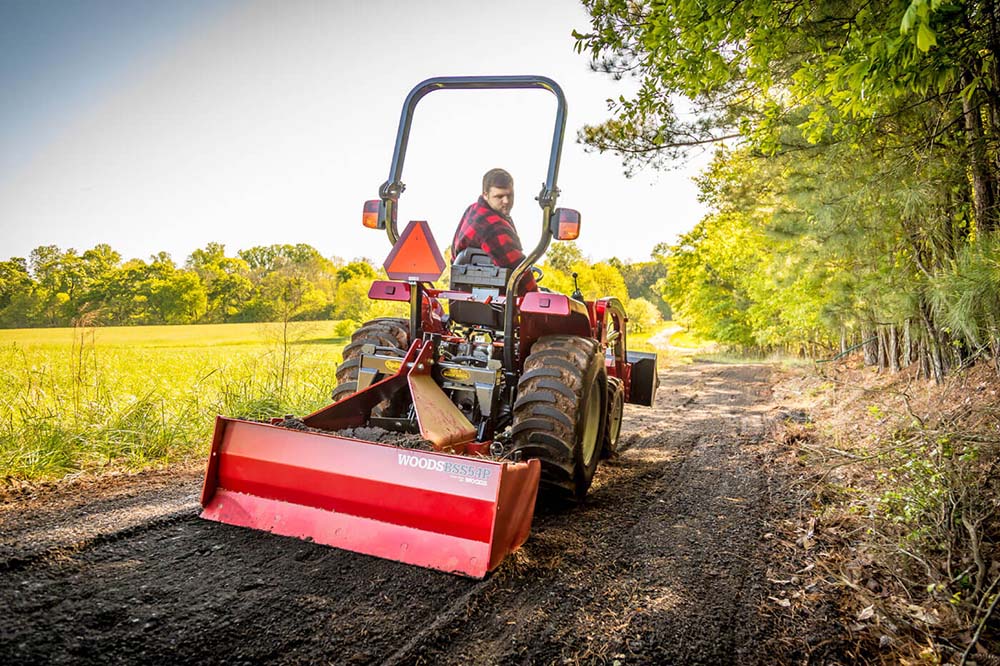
point(514, 399)
point(486, 225)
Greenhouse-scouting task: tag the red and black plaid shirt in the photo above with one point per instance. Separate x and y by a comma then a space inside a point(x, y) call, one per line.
point(484, 228)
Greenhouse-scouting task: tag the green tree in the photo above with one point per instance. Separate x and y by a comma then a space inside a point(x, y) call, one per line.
point(643, 316)
point(863, 171)
point(99, 261)
point(288, 296)
point(641, 279)
point(14, 279)
point(600, 280)
point(356, 269)
point(302, 262)
point(226, 282)
point(563, 255)
point(176, 297)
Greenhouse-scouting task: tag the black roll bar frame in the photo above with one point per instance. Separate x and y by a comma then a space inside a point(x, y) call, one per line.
point(391, 190)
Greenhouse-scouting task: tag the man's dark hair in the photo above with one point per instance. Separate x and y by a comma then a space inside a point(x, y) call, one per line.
point(497, 178)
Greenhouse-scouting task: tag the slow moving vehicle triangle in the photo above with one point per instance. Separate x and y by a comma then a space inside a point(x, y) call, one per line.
point(415, 256)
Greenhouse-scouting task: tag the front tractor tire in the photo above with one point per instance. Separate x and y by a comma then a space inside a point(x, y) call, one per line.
point(616, 409)
point(388, 334)
point(559, 416)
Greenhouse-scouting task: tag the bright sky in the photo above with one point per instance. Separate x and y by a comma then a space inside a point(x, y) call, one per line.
point(167, 125)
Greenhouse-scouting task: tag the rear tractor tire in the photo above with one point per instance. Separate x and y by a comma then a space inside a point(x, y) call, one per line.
point(389, 335)
point(560, 414)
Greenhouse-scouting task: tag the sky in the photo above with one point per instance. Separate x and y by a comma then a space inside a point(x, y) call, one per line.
point(163, 126)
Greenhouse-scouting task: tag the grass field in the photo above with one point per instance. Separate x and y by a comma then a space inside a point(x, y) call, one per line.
point(134, 397)
point(141, 396)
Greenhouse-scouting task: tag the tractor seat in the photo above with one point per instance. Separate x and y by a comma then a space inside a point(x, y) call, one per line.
point(475, 272)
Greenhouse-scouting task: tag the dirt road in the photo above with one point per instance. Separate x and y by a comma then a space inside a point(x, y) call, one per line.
point(665, 564)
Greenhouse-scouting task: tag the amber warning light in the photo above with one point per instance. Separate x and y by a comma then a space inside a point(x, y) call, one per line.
point(369, 217)
point(565, 224)
point(415, 257)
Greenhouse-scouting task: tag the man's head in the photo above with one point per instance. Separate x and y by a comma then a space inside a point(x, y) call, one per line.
point(498, 190)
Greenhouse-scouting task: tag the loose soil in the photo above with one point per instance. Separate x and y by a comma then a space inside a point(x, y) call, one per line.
point(668, 562)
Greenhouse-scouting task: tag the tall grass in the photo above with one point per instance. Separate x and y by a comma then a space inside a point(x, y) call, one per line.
point(76, 399)
point(139, 397)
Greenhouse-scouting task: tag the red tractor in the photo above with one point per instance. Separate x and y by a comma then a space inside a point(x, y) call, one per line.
point(507, 397)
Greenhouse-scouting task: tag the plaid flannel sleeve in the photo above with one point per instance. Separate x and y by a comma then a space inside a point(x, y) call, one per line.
point(501, 243)
point(483, 228)
point(504, 247)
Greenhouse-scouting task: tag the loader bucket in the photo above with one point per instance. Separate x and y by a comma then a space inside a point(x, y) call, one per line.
point(458, 514)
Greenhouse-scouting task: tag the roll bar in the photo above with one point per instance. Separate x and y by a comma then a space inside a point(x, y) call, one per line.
point(393, 187)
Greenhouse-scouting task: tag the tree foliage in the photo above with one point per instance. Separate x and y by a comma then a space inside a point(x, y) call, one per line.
point(56, 287)
point(853, 193)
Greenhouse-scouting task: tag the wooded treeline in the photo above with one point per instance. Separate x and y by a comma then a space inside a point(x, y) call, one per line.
point(55, 287)
point(854, 188)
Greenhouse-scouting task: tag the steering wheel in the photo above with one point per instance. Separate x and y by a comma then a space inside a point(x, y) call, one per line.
point(537, 273)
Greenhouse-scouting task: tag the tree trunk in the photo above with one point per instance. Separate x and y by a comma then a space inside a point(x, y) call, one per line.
point(993, 97)
point(993, 341)
point(933, 344)
point(893, 349)
point(982, 182)
point(907, 345)
point(869, 345)
point(882, 351)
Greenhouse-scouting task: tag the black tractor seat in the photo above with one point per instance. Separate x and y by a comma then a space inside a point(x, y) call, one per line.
point(473, 271)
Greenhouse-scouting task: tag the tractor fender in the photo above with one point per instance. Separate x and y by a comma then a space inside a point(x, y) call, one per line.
point(431, 311)
point(545, 313)
point(549, 303)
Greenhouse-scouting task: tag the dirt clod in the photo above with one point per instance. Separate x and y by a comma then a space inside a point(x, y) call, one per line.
point(382, 436)
point(365, 433)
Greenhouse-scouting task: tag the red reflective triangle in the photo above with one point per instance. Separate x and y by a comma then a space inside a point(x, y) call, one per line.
point(415, 257)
